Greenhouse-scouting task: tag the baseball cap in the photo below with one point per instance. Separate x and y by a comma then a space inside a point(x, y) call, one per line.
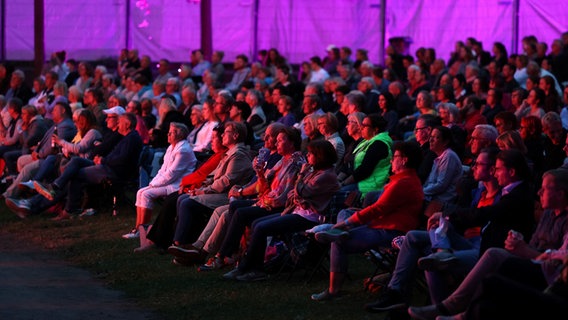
point(330, 47)
point(115, 110)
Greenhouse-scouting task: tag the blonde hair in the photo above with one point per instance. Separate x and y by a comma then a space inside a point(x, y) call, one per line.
point(512, 140)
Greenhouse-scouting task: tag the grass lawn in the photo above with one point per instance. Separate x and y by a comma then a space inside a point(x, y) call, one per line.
point(177, 292)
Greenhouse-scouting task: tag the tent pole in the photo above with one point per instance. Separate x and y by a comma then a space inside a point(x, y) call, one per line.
point(515, 37)
point(382, 31)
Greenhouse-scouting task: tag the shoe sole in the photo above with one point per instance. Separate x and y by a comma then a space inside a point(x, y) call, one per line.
point(190, 254)
point(436, 264)
point(328, 297)
point(41, 190)
point(328, 238)
point(395, 306)
point(180, 262)
point(419, 316)
point(20, 212)
point(231, 276)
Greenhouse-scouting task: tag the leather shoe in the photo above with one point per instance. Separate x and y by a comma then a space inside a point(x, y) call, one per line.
point(439, 261)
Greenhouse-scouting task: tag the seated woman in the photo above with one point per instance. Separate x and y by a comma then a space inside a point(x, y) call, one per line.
point(273, 186)
point(194, 209)
point(387, 111)
point(162, 232)
point(329, 127)
point(311, 130)
point(10, 139)
point(372, 157)
point(354, 127)
point(212, 236)
point(179, 160)
point(80, 146)
point(314, 187)
point(396, 212)
point(203, 138)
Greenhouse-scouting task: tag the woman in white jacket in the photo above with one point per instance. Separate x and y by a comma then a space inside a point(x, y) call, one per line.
point(179, 160)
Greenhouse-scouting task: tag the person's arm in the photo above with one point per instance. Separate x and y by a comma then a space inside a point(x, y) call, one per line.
point(238, 168)
point(176, 163)
point(83, 146)
point(197, 177)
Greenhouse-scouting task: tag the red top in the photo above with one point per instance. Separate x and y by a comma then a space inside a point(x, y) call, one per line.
point(195, 179)
point(399, 207)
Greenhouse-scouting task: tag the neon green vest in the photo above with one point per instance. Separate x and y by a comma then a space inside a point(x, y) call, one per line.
point(380, 174)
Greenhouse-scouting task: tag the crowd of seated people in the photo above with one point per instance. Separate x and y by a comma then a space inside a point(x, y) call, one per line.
point(463, 160)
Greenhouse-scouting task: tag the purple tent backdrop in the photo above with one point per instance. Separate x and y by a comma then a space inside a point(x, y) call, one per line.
point(299, 29)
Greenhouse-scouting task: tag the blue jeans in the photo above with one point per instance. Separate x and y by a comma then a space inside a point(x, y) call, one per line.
point(361, 239)
point(440, 284)
point(274, 224)
point(47, 170)
point(418, 244)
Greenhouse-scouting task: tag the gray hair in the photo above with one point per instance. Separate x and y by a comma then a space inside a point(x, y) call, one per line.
point(487, 131)
point(181, 128)
point(356, 98)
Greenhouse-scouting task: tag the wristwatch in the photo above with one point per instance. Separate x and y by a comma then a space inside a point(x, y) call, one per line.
point(240, 191)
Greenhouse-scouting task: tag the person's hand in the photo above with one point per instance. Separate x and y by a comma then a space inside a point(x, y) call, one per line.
point(98, 160)
point(434, 220)
point(514, 241)
point(35, 155)
point(233, 192)
point(55, 139)
point(196, 192)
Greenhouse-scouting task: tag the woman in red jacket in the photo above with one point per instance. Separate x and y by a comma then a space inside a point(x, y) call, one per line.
point(396, 211)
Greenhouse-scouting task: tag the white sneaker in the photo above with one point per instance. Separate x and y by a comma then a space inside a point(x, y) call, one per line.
point(28, 184)
point(88, 212)
point(133, 234)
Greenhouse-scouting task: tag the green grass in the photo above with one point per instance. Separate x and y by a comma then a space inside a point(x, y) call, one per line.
point(176, 292)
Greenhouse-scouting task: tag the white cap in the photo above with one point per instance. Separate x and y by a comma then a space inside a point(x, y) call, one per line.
point(115, 110)
point(330, 47)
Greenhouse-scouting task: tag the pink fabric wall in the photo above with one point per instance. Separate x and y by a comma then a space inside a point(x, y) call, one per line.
point(299, 29)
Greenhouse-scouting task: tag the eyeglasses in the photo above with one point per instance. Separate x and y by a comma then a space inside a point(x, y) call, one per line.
point(418, 129)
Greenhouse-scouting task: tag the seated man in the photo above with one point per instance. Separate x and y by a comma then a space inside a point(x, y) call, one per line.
point(235, 168)
point(513, 211)
point(532, 263)
point(28, 164)
point(117, 165)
